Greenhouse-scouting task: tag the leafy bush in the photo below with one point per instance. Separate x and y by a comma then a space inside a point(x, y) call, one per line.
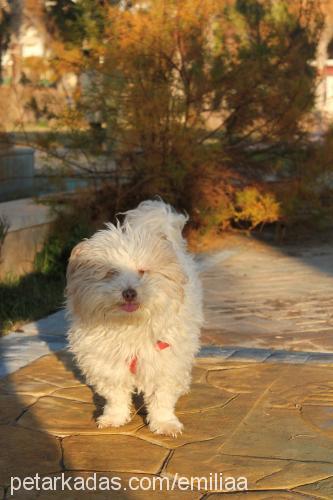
point(256, 208)
point(173, 93)
point(195, 101)
point(41, 292)
point(226, 201)
point(73, 223)
point(29, 297)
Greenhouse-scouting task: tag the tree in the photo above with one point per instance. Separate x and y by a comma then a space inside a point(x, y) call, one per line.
point(73, 21)
point(5, 16)
point(186, 89)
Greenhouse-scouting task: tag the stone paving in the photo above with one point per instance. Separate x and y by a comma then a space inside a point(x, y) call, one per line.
point(271, 423)
point(32, 341)
point(270, 297)
point(261, 403)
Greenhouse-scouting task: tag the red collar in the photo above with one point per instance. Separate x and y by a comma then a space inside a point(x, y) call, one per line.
point(160, 345)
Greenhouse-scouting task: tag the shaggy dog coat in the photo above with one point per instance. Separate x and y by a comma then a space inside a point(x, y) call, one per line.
point(135, 305)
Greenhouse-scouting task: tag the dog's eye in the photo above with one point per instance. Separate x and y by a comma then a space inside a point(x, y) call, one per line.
point(111, 274)
point(141, 272)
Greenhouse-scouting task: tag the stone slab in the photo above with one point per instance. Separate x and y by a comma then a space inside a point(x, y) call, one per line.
point(206, 458)
point(12, 406)
point(287, 357)
point(252, 355)
point(207, 351)
point(270, 296)
point(205, 425)
point(201, 398)
point(247, 379)
point(322, 358)
point(113, 453)
point(25, 213)
point(318, 489)
point(42, 377)
point(25, 452)
point(264, 495)
point(285, 432)
point(36, 339)
point(198, 374)
point(54, 324)
point(62, 417)
point(81, 393)
point(19, 250)
point(269, 422)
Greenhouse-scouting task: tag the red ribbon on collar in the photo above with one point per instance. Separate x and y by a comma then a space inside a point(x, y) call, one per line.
point(160, 345)
point(133, 364)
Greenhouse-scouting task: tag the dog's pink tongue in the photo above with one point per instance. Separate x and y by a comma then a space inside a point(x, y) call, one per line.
point(129, 307)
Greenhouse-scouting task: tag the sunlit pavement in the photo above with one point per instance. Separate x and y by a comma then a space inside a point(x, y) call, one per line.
point(261, 404)
point(271, 297)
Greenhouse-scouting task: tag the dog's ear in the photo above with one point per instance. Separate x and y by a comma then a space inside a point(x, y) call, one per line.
point(170, 266)
point(175, 273)
point(172, 270)
point(75, 258)
point(78, 249)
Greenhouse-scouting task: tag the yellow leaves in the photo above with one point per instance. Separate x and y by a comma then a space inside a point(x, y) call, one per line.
point(65, 59)
point(159, 24)
point(187, 84)
point(256, 207)
point(222, 203)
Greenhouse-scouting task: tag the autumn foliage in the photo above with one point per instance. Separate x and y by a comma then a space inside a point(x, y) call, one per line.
point(198, 101)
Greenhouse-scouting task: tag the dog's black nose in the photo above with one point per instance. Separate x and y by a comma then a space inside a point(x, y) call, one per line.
point(129, 294)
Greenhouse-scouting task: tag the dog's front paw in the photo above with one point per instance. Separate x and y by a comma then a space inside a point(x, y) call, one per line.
point(171, 427)
point(112, 419)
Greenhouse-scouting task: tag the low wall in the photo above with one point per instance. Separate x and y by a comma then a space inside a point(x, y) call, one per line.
point(29, 226)
point(16, 172)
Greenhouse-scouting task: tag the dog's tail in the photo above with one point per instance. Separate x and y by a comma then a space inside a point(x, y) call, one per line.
point(159, 217)
point(208, 263)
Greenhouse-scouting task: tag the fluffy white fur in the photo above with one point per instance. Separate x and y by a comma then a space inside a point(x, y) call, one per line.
point(147, 253)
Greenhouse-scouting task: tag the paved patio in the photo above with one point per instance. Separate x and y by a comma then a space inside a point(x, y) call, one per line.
point(261, 404)
point(271, 297)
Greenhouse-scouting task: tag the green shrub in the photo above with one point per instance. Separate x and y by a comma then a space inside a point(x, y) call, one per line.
point(53, 257)
point(29, 297)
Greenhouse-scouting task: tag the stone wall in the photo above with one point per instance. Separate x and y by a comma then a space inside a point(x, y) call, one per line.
point(16, 172)
point(29, 226)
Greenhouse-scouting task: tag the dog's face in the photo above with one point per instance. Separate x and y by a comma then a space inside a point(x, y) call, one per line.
point(123, 274)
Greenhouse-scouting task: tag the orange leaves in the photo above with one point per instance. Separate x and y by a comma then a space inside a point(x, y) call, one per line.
point(65, 59)
point(177, 87)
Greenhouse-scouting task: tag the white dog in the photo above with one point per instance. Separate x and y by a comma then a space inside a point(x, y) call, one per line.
point(135, 303)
